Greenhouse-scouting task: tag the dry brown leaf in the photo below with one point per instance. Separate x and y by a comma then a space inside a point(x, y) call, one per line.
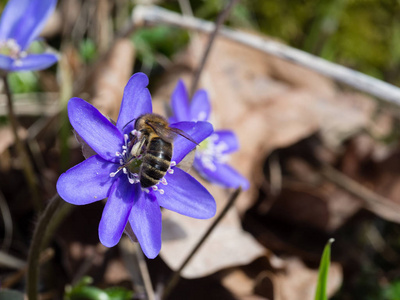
point(7, 137)
point(112, 77)
point(116, 272)
point(297, 282)
point(228, 245)
point(238, 283)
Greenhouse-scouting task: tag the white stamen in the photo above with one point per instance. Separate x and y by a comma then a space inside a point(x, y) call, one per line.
point(213, 153)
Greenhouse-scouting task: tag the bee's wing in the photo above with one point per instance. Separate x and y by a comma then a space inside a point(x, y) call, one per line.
point(184, 134)
point(168, 133)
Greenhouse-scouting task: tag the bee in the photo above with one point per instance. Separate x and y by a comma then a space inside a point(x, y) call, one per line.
point(156, 146)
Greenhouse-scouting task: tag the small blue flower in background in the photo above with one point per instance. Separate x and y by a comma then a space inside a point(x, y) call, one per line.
point(21, 23)
point(212, 155)
point(103, 175)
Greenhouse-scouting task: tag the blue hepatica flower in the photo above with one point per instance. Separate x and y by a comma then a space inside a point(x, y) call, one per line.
point(212, 155)
point(106, 175)
point(21, 22)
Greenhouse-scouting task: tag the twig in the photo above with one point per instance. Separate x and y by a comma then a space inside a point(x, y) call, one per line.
point(8, 224)
point(37, 243)
point(220, 20)
point(374, 202)
point(145, 273)
point(358, 80)
point(136, 265)
point(27, 165)
point(175, 277)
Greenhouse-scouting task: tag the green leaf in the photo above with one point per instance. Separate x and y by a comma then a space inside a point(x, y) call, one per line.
point(320, 293)
point(119, 293)
point(88, 293)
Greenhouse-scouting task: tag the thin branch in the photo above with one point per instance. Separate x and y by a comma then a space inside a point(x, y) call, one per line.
point(27, 165)
point(155, 15)
point(8, 223)
point(175, 277)
point(135, 262)
point(376, 203)
point(37, 243)
point(220, 20)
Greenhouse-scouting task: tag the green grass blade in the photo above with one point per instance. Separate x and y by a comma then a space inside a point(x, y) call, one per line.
point(320, 293)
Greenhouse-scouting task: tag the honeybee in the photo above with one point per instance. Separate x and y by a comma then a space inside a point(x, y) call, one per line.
point(156, 145)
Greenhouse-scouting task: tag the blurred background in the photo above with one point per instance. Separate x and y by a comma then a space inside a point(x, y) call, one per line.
point(322, 158)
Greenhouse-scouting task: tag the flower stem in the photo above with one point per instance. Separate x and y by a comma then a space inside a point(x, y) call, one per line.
point(21, 149)
point(220, 20)
point(176, 276)
point(45, 221)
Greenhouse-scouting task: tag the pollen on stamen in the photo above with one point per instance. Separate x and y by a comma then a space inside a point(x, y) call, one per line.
point(163, 181)
point(161, 191)
point(170, 171)
point(154, 187)
point(173, 163)
point(146, 190)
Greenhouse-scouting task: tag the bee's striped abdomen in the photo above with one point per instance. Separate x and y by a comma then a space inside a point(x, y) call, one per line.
point(156, 162)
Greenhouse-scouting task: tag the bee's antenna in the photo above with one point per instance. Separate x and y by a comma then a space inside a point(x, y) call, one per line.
point(128, 123)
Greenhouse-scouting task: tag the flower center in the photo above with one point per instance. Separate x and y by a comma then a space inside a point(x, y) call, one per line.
point(11, 48)
point(131, 159)
point(211, 151)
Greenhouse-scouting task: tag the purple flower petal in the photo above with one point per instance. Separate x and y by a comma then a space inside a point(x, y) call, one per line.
point(11, 15)
point(229, 138)
point(185, 195)
point(34, 62)
point(5, 62)
point(180, 102)
point(116, 212)
point(86, 182)
point(200, 107)
point(31, 23)
point(223, 175)
point(197, 130)
point(95, 129)
point(145, 219)
point(135, 102)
